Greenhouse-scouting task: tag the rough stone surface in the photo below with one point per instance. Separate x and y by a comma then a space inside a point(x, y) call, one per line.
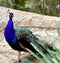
point(28, 19)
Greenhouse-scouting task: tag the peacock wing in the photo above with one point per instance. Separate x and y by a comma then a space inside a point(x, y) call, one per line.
point(22, 32)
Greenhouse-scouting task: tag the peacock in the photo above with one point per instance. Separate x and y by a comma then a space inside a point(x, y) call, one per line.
point(20, 38)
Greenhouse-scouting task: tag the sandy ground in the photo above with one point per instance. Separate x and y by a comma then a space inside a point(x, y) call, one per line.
point(7, 55)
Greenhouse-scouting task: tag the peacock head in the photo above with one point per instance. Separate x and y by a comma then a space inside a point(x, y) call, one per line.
point(10, 15)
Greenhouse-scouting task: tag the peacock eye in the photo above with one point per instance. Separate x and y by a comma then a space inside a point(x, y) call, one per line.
point(10, 15)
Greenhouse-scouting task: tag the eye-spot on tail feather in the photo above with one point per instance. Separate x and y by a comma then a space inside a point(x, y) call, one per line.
point(50, 47)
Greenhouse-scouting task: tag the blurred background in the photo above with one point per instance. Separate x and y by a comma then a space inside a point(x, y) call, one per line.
point(46, 7)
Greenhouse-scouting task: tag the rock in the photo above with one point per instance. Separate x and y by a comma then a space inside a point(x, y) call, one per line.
point(27, 19)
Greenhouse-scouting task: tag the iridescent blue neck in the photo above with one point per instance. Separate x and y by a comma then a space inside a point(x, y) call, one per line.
point(9, 32)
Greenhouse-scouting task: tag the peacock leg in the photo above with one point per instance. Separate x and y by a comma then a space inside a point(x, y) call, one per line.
point(19, 57)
